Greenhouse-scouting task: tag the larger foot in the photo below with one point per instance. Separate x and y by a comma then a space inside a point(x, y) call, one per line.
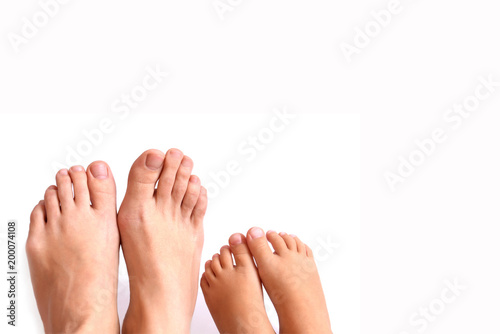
point(72, 251)
point(162, 237)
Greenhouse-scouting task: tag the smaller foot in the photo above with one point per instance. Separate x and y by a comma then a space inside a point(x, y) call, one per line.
point(233, 293)
point(291, 280)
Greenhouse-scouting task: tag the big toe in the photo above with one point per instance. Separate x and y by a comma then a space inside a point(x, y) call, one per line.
point(102, 188)
point(239, 248)
point(144, 174)
point(258, 245)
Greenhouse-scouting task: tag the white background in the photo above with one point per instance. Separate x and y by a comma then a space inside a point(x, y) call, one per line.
point(440, 224)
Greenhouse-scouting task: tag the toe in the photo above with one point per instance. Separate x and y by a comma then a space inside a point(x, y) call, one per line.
point(239, 248)
point(101, 185)
point(171, 164)
point(301, 247)
point(200, 208)
point(277, 241)
point(52, 206)
point(258, 245)
point(64, 189)
point(209, 273)
point(215, 265)
point(144, 174)
point(80, 187)
point(226, 260)
point(204, 283)
point(191, 197)
point(309, 251)
point(182, 180)
point(289, 241)
point(37, 218)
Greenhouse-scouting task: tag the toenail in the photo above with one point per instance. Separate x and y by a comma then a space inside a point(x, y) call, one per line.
point(235, 240)
point(271, 231)
point(194, 179)
point(282, 234)
point(63, 172)
point(175, 153)
point(293, 235)
point(154, 161)
point(99, 170)
point(256, 233)
point(77, 168)
point(186, 162)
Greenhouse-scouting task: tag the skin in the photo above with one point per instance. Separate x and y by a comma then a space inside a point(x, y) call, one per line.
point(291, 279)
point(233, 292)
point(72, 251)
point(162, 237)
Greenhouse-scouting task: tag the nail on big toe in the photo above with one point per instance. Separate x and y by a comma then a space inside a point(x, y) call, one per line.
point(99, 170)
point(256, 233)
point(235, 240)
point(154, 161)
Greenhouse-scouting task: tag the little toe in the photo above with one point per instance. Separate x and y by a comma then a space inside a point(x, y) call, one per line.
point(64, 189)
point(144, 174)
point(258, 245)
point(226, 260)
point(101, 185)
point(289, 240)
point(301, 247)
point(191, 197)
point(277, 241)
point(209, 273)
point(200, 208)
point(52, 205)
point(166, 182)
point(182, 180)
point(80, 187)
point(204, 284)
point(309, 251)
point(239, 248)
point(37, 218)
point(216, 265)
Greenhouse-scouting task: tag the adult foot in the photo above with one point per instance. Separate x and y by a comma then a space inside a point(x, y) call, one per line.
point(291, 280)
point(233, 293)
point(161, 231)
point(72, 251)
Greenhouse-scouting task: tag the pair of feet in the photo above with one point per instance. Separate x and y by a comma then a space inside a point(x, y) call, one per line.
point(73, 246)
point(233, 291)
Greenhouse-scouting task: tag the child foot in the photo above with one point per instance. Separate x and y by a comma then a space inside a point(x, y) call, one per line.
point(72, 251)
point(162, 236)
point(291, 280)
point(233, 293)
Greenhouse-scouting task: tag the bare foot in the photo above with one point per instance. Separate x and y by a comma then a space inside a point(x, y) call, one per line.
point(162, 237)
point(233, 293)
point(72, 250)
point(291, 280)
